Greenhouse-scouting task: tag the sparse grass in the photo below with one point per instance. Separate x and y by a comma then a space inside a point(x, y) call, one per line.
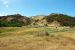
point(40, 38)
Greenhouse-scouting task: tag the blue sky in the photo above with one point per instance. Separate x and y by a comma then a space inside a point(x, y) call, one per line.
point(37, 7)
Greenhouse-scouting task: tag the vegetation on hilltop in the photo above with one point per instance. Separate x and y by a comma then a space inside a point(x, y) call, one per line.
point(64, 20)
point(19, 20)
point(14, 20)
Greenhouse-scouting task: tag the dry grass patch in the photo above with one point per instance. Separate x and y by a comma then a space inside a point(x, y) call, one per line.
point(26, 39)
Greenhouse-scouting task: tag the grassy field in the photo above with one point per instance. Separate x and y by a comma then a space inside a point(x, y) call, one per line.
point(37, 38)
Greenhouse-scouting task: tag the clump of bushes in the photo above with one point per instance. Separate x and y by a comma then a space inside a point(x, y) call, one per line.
point(43, 33)
point(10, 24)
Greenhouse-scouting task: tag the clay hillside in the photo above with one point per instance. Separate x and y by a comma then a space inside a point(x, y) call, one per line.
point(54, 20)
point(41, 20)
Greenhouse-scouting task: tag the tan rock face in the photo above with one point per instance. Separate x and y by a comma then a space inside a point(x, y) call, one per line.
point(41, 21)
point(9, 19)
point(54, 23)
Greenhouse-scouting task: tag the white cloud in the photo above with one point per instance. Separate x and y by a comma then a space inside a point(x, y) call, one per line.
point(7, 6)
point(2, 14)
point(5, 2)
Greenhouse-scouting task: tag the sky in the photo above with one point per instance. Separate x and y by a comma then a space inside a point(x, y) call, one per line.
point(37, 7)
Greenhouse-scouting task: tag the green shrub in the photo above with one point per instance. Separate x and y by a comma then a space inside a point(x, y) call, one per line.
point(10, 24)
point(43, 33)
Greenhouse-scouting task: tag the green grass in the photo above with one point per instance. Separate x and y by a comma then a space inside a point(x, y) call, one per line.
point(7, 31)
point(12, 31)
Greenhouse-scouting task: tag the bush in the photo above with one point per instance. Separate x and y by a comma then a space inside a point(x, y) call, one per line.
point(45, 25)
point(10, 24)
point(43, 33)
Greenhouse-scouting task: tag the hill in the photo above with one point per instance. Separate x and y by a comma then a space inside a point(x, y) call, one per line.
point(37, 38)
point(14, 20)
point(55, 20)
point(64, 20)
point(41, 20)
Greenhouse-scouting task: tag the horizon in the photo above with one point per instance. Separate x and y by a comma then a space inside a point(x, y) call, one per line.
point(37, 7)
point(34, 15)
